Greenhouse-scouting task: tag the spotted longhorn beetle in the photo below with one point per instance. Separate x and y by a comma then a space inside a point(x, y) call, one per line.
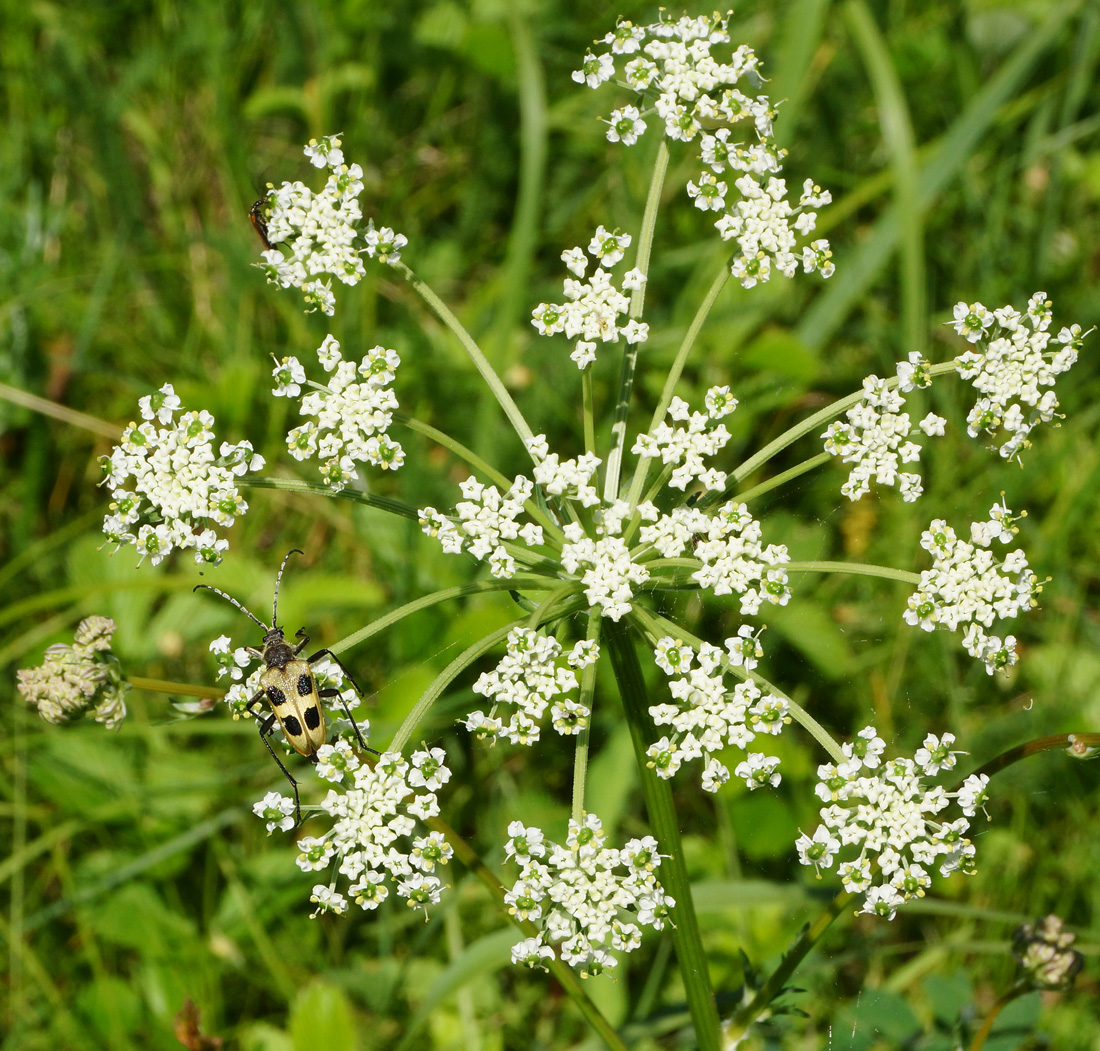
point(288, 685)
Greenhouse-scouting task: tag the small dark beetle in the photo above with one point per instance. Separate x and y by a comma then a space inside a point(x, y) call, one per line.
point(288, 685)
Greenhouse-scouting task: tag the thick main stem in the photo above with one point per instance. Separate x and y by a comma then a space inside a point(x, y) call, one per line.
point(665, 825)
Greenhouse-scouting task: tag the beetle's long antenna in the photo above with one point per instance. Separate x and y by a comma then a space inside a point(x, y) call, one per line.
point(278, 581)
point(230, 598)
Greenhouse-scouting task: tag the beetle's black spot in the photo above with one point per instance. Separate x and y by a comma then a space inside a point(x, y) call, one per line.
point(305, 685)
point(292, 726)
point(312, 716)
point(276, 696)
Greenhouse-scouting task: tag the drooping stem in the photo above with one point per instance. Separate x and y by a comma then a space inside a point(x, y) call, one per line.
point(666, 827)
point(1076, 746)
point(630, 351)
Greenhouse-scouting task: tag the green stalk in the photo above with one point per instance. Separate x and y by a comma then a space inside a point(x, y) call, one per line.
point(588, 690)
point(792, 434)
point(588, 411)
point(665, 824)
point(566, 976)
point(478, 464)
point(436, 597)
point(296, 485)
point(473, 352)
point(781, 479)
point(858, 569)
point(443, 680)
point(637, 302)
point(676, 371)
point(1076, 746)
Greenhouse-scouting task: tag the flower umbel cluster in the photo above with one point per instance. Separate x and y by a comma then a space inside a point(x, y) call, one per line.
point(888, 811)
point(75, 680)
point(1012, 370)
point(695, 82)
point(579, 893)
point(967, 589)
point(683, 448)
point(314, 235)
point(529, 678)
point(353, 412)
point(875, 438)
point(708, 716)
point(1008, 364)
point(168, 488)
point(593, 308)
point(374, 814)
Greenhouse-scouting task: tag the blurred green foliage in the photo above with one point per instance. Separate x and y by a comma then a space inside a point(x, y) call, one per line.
point(137, 135)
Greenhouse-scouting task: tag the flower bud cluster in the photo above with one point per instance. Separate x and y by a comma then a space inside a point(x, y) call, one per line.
point(967, 589)
point(1042, 949)
point(707, 716)
point(892, 815)
point(353, 412)
point(693, 90)
point(372, 842)
point(75, 680)
point(684, 447)
point(168, 488)
point(314, 234)
point(1012, 370)
point(529, 678)
point(577, 893)
point(593, 308)
point(875, 438)
point(485, 519)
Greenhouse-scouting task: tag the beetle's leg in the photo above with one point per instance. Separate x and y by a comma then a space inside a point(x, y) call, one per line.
point(343, 704)
point(328, 693)
point(301, 634)
point(267, 727)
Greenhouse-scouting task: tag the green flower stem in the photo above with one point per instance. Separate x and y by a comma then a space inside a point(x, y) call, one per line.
point(858, 569)
point(296, 485)
point(541, 612)
point(773, 986)
point(565, 974)
point(1076, 746)
point(460, 664)
point(675, 372)
point(185, 688)
point(781, 479)
point(792, 434)
point(436, 597)
point(665, 825)
point(443, 680)
point(655, 626)
point(637, 302)
point(588, 411)
point(478, 464)
point(473, 352)
point(588, 690)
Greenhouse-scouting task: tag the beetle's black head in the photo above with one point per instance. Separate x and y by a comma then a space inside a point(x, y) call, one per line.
point(276, 650)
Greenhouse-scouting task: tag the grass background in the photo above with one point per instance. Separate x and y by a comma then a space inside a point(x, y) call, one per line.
point(960, 143)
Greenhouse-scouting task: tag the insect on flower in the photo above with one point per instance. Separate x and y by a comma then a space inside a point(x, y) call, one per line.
point(288, 685)
point(258, 214)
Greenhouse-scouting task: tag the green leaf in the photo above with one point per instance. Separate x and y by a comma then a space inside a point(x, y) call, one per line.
point(321, 1018)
